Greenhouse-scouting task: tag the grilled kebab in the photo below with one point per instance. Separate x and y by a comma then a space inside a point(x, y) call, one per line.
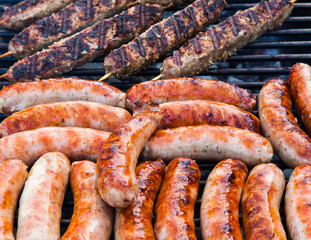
point(86, 45)
point(221, 40)
point(162, 37)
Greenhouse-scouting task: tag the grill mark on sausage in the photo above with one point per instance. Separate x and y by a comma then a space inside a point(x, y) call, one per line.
point(176, 27)
point(142, 11)
point(178, 59)
point(196, 44)
point(267, 5)
point(190, 13)
point(65, 20)
point(252, 17)
point(205, 7)
point(141, 49)
point(160, 41)
point(235, 28)
point(102, 35)
point(213, 34)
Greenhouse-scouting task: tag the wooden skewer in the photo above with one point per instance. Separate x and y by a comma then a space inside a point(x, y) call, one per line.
point(107, 75)
point(292, 1)
point(3, 76)
point(157, 78)
point(2, 22)
point(6, 54)
point(168, 6)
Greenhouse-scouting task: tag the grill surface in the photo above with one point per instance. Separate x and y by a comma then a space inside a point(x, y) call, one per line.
point(269, 56)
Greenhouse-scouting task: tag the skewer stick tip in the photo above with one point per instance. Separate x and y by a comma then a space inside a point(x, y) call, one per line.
point(168, 6)
point(293, 1)
point(2, 21)
point(157, 78)
point(3, 76)
point(105, 77)
point(6, 54)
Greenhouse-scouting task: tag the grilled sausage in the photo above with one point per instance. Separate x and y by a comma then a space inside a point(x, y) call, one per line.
point(65, 114)
point(174, 209)
point(163, 37)
point(40, 206)
point(118, 158)
point(280, 126)
point(135, 222)
point(26, 12)
point(19, 96)
point(73, 18)
point(13, 174)
point(299, 83)
point(219, 215)
point(209, 143)
point(199, 112)
point(156, 92)
point(223, 39)
point(297, 203)
point(261, 202)
point(86, 45)
point(92, 218)
point(76, 143)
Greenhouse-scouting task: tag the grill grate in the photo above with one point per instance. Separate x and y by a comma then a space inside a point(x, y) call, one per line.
point(269, 56)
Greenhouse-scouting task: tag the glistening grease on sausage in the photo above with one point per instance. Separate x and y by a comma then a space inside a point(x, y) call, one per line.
point(219, 215)
point(118, 158)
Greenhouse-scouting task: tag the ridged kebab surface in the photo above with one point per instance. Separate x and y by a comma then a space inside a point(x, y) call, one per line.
point(84, 46)
point(163, 37)
point(26, 12)
point(221, 40)
point(66, 22)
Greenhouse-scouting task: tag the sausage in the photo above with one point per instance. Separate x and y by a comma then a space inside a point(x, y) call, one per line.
point(219, 215)
point(280, 126)
point(40, 206)
point(156, 92)
point(163, 37)
point(13, 174)
point(209, 143)
point(261, 202)
point(65, 114)
point(221, 40)
point(117, 160)
point(297, 203)
point(92, 218)
point(76, 143)
point(299, 84)
point(199, 112)
point(82, 47)
point(19, 96)
point(174, 209)
point(135, 222)
point(26, 12)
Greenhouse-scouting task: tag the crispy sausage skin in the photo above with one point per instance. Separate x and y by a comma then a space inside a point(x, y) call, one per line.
point(209, 143)
point(174, 209)
point(76, 143)
point(65, 114)
point(219, 213)
point(118, 158)
point(280, 126)
point(135, 222)
point(92, 218)
point(299, 82)
point(297, 203)
point(19, 96)
point(200, 112)
point(177, 89)
point(13, 174)
point(40, 206)
point(261, 202)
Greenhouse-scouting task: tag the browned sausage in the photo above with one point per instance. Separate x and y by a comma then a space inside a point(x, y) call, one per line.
point(174, 209)
point(118, 158)
point(219, 215)
point(92, 218)
point(261, 202)
point(135, 222)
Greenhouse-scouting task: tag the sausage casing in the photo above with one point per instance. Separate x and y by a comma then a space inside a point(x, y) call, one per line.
point(299, 82)
point(40, 206)
point(118, 158)
point(92, 218)
point(261, 200)
point(174, 209)
point(65, 114)
point(298, 203)
point(76, 143)
point(135, 222)
point(13, 174)
point(279, 125)
point(19, 96)
point(209, 143)
point(156, 92)
point(219, 215)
